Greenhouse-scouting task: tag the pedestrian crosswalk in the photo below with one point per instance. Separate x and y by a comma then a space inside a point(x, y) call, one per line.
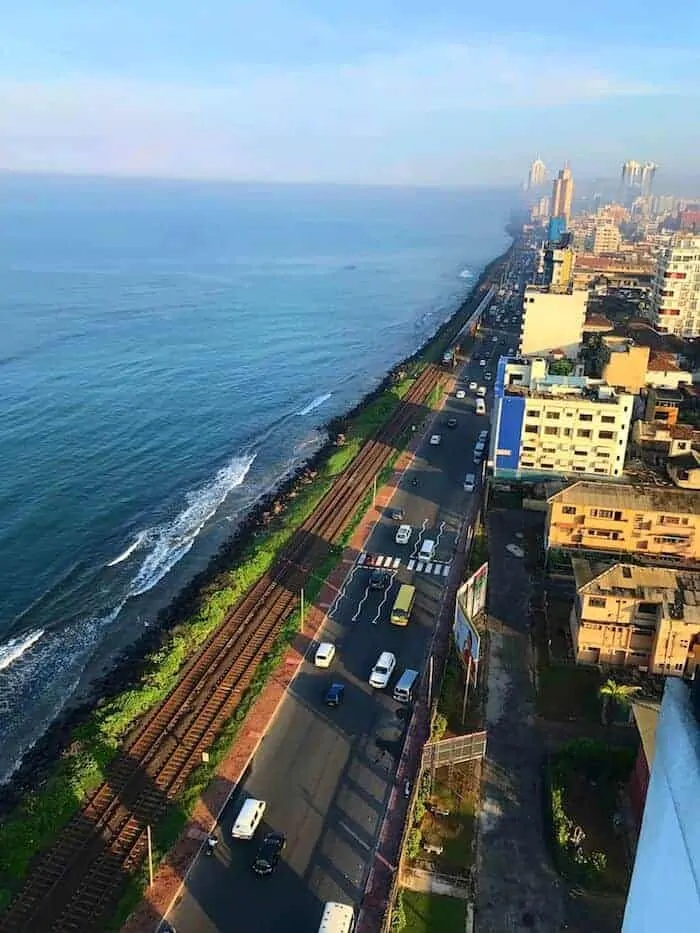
point(435, 568)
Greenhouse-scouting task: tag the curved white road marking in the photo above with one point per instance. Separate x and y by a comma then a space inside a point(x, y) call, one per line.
point(356, 616)
point(419, 539)
point(341, 591)
point(439, 535)
point(377, 616)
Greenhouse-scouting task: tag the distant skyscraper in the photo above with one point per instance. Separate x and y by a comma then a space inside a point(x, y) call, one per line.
point(563, 195)
point(636, 178)
point(537, 174)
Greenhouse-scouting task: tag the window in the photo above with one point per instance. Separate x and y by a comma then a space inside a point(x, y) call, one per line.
point(679, 667)
point(597, 602)
point(585, 417)
point(647, 609)
point(599, 470)
point(670, 520)
point(580, 453)
point(566, 432)
point(551, 431)
point(605, 435)
point(602, 513)
point(532, 413)
point(547, 466)
point(583, 432)
point(569, 510)
point(553, 415)
point(608, 419)
point(683, 642)
point(531, 429)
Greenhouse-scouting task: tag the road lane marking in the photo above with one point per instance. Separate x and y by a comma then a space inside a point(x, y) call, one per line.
point(377, 617)
point(397, 563)
point(411, 564)
point(356, 616)
point(419, 540)
point(428, 567)
point(445, 570)
point(419, 566)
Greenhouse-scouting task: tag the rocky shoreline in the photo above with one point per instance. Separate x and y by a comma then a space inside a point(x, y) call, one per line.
point(133, 663)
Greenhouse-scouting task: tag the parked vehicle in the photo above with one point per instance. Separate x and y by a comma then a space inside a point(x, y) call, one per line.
point(403, 534)
point(470, 482)
point(407, 685)
point(382, 670)
point(334, 695)
point(379, 580)
point(248, 819)
point(403, 604)
point(269, 853)
point(324, 654)
point(337, 918)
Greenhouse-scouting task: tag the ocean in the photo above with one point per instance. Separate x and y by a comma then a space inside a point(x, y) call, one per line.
point(168, 352)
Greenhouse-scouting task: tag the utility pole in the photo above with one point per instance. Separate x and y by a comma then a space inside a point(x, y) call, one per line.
point(301, 610)
point(430, 682)
point(150, 856)
point(374, 490)
point(466, 690)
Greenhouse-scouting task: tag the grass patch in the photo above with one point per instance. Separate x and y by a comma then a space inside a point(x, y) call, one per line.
point(479, 553)
point(432, 913)
point(456, 791)
point(568, 692)
point(584, 779)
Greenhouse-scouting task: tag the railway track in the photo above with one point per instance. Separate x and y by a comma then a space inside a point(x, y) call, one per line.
point(73, 886)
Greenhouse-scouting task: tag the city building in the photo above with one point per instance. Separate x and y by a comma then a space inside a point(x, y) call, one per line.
point(662, 405)
point(558, 267)
point(556, 229)
point(551, 320)
point(650, 522)
point(606, 238)
point(664, 892)
point(654, 441)
point(563, 195)
point(675, 296)
point(540, 209)
point(544, 424)
point(646, 715)
point(689, 219)
point(627, 367)
point(618, 271)
point(626, 615)
point(663, 372)
point(684, 470)
point(637, 178)
point(537, 174)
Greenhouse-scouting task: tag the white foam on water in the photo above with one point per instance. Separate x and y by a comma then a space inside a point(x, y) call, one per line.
point(171, 541)
point(135, 545)
point(466, 274)
point(315, 403)
point(12, 650)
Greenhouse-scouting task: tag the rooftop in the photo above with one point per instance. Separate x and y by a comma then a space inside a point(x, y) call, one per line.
point(627, 496)
point(650, 430)
point(686, 461)
point(663, 363)
point(597, 322)
point(641, 582)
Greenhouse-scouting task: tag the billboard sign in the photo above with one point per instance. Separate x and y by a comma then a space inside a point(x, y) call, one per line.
point(470, 602)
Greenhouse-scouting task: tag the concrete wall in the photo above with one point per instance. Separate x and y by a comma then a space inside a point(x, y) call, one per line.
point(552, 321)
point(665, 889)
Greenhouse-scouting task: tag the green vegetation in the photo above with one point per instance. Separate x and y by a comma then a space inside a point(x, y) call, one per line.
point(561, 368)
point(616, 698)
point(429, 913)
point(480, 549)
point(584, 779)
point(566, 692)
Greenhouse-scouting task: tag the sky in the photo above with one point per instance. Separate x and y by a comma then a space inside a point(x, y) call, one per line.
point(373, 91)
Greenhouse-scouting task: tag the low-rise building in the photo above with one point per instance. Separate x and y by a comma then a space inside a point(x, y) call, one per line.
point(551, 319)
point(618, 518)
point(663, 372)
point(545, 425)
point(626, 615)
point(619, 271)
point(627, 367)
point(606, 238)
point(655, 441)
point(662, 405)
point(684, 470)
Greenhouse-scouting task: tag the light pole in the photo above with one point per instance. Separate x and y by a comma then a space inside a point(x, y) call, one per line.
point(374, 490)
point(150, 856)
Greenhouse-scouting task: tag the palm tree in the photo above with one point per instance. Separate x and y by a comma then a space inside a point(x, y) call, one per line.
point(613, 695)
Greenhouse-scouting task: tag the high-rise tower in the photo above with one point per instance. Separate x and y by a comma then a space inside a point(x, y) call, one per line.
point(563, 194)
point(537, 174)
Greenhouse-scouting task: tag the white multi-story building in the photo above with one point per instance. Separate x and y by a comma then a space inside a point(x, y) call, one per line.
point(552, 320)
point(537, 174)
point(675, 299)
point(545, 424)
point(606, 238)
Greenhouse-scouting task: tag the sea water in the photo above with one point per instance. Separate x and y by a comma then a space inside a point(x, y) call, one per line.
point(168, 352)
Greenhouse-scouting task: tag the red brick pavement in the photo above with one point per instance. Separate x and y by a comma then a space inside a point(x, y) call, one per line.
point(175, 867)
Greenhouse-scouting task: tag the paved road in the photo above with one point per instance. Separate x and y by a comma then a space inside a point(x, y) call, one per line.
point(327, 775)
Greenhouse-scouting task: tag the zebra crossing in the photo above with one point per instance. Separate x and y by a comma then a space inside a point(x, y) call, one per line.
point(436, 568)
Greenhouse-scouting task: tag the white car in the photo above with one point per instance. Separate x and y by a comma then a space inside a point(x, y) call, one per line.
point(478, 454)
point(472, 387)
point(460, 393)
point(488, 377)
point(494, 339)
point(482, 362)
point(382, 670)
point(324, 654)
point(481, 392)
point(470, 482)
point(403, 534)
point(483, 434)
point(435, 440)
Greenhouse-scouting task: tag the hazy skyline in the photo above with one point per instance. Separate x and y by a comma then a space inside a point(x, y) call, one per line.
point(376, 92)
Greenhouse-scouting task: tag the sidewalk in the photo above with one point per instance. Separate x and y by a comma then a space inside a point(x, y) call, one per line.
point(173, 871)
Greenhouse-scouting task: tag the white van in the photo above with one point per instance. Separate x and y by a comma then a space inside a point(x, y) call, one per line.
point(248, 819)
point(480, 406)
point(337, 918)
point(427, 550)
point(470, 482)
point(406, 686)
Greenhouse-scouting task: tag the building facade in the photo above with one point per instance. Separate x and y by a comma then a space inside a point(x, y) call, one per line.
point(615, 518)
point(675, 296)
point(537, 174)
point(544, 425)
point(551, 320)
point(631, 616)
point(563, 195)
point(558, 267)
point(627, 367)
point(606, 238)
point(664, 892)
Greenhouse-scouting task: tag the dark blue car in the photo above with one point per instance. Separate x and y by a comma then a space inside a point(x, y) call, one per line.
point(334, 695)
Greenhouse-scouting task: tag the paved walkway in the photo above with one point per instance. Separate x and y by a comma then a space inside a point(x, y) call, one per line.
point(175, 867)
